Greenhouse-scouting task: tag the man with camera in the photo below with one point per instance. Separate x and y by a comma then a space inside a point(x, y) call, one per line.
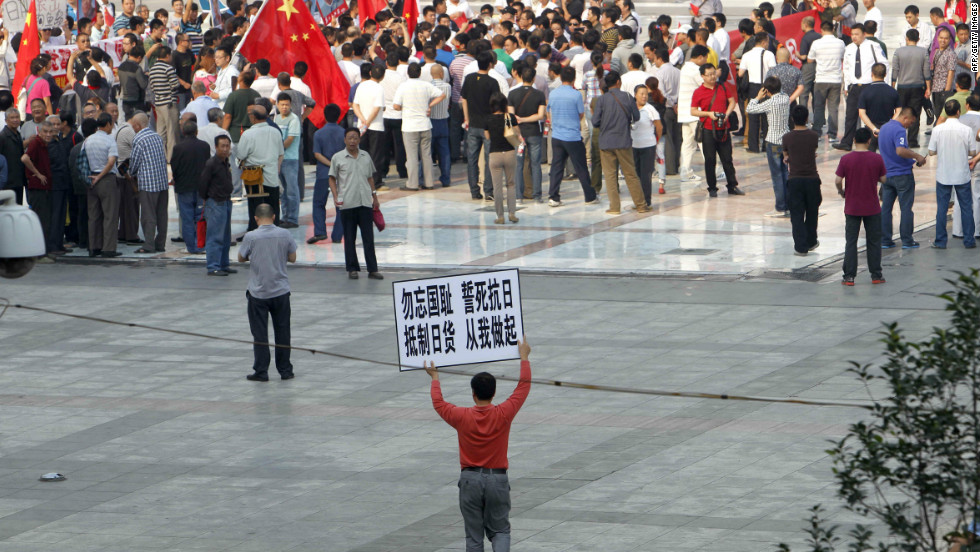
point(775, 105)
point(713, 102)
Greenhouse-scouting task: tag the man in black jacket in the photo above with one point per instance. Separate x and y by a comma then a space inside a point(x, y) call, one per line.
point(215, 187)
point(12, 148)
point(187, 165)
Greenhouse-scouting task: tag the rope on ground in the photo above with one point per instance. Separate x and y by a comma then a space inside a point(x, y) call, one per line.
point(537, 381)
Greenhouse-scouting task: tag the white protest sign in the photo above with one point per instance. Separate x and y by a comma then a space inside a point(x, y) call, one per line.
point(14, 13)
point(50, 13)
point(463, 319)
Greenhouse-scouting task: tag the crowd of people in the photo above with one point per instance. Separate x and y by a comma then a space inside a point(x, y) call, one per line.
point(587, 89)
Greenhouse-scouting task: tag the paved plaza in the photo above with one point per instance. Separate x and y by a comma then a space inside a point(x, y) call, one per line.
point(166, 446)
point(687, 232)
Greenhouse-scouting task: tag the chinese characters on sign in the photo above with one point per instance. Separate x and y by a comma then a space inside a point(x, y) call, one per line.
point(464, 319)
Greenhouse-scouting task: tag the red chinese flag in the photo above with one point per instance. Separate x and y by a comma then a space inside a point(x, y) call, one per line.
point(107, 15)
point(368, 9)
point(30, 48)
point(410, 11)
point(283, 33)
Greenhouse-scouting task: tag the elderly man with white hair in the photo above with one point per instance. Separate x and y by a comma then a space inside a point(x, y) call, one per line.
point(148, 164)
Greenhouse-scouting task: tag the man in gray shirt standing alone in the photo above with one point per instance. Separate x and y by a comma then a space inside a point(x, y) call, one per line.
point(912, 75)
point(268, 248)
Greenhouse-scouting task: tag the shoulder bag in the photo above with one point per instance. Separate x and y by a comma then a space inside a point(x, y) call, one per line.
point(510, 133)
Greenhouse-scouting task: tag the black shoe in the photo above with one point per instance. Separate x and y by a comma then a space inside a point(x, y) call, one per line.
point(178, 239)
point(477, 196)
point(110, 254)
point(289, 225)
point(95, 253)
point(445, 185)
point(407, 189)
point(375, 276)
point(735, 191)
point(841, 147)
point(712, 193)
point(315, 239)
point(217, 273)
point(288, 376)
point(427, 188)
point(257, 377)
point(352, 275)
point(230, 270)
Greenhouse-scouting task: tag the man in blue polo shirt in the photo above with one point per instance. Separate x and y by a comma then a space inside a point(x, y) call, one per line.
point(567, 111)
point(899, 182)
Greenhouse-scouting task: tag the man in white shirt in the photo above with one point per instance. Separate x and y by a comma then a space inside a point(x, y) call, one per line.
point(415, 98)
point(635, 76)
point(954, 143)
point(264, 84)
point(347, 65)
point(690, 80)
point(874, 14)
point(859, 56)
point(369, 107)
point(756, 63)
point(394, 144)
point(971, 119)
point(296, 81)
point(227, 75)
point(827, 52)
point(926, 30)
point(581, 61)
point(456, 9)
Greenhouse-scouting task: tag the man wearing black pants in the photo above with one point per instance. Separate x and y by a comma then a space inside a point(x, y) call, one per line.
point(353, 191)
point(369, 106)
point(713, 103)
point(803, 184)
point(756, 63)
point(567, 111)
point(267, 249)
point(859, 56)
point(912, 77)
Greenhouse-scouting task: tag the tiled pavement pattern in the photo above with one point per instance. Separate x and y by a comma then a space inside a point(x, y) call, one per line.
point(686, 233)
point(167, 447)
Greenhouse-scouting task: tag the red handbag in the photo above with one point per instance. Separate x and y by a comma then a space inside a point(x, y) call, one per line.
point(379, 219)
point(202, 231)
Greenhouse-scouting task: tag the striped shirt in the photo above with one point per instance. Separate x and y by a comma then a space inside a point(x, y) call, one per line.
point(776, 109)
point(828, 53)
point(149, 162)
point(163, 82)
point(121, 22)
point(100, 147)
point(456, 72)
point(441, 109)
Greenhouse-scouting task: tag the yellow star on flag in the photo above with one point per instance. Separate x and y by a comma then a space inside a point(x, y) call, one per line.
point(306, 36)
point(312, 27)
point(288, 8)
point(27, 20)
point(295, 38)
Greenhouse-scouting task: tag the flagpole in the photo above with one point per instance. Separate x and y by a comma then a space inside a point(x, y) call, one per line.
point(242, 41)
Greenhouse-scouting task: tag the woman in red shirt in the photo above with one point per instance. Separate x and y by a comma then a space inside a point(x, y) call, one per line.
point(713, 102)
point(955, 11)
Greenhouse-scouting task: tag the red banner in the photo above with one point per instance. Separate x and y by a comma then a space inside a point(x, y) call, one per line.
point(789, 33)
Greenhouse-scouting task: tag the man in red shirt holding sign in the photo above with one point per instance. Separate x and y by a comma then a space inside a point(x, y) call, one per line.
point(484, 432)
point(713, 102)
